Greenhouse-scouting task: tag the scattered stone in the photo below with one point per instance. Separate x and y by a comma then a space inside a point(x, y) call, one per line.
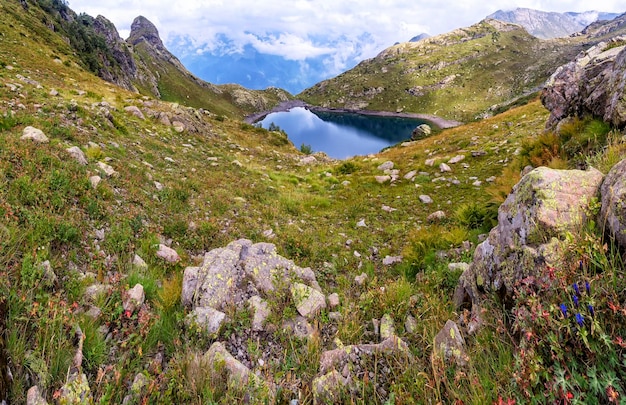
point(300, 327)
point(436, 216)
point(135, 298)
point(219, 359)
point(261, 312)
point(360, 279)
point(94, 312)
point(490, 179)
point(458, 266)
point(335, 316)
point(387, 208)
point(53, 93)
point(134, 110)
point(456, 159)
point(34, 134)
point(164, 119)
point(389, 260)
point(158, 186)
point(477, 183)
point(77, 154)
point(420, 132)
point(269, 233)
point(237, 163)
point(387, 328)
point(106, 170)
point(94, 181)
point(410, 324)
point(361, 224)
point(309, 302)
point(330, 388)
point(383, 179)
point(450, 344)
point(178, 126)
point(388, 165)
point(167, 253)
point(333, 300)
point(430, 162)
point(207, 319)
point(34, 397)
point(49, 277)
point(93, 291)
point(410, 175)
point(425, 199)
point(308, 160)
point(338, 358)
point(478, 153)
point(444, 168)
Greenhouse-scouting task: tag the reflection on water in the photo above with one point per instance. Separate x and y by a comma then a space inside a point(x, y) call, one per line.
point(341, 135)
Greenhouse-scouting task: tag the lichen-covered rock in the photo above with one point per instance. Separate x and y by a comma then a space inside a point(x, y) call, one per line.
point(329, 388)
point(134, 298)
point(593, 83)
point(34, 397)
point(532, 226)
point(387, 327)
point(218, 358)
point(450, 344)
point(337, 358)
point(232, 274)
point(613, 197)
point(309, 302)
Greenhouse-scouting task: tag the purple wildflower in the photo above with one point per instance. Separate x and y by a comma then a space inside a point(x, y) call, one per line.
point(564, 310)
point(579, 319)
point(591, 310)
point(587, 287)
point(575, 298)
point(575, 286)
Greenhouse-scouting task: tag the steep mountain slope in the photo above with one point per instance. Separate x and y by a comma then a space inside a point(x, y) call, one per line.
point(142, 64)
point(546, 25)
point(462, 75)
point(458, 75)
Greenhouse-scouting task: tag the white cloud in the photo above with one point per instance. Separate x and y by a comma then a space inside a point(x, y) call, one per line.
point(300, 29)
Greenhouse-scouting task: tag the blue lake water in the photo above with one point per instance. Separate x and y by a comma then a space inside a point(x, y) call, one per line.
point(341, 135)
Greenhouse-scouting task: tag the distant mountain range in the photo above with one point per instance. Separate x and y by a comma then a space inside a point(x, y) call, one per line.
point(546, 25)
point(255, 70)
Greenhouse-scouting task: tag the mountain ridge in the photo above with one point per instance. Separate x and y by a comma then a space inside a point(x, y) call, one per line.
point(548, 25)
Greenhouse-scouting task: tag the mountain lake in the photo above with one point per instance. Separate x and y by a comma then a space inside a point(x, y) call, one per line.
point(340, 134)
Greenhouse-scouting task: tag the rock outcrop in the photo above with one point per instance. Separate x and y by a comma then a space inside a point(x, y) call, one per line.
point(591, 84)
point(532, 225)
point(613, 197)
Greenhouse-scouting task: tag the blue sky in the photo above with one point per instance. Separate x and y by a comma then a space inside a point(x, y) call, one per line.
point(342, 30)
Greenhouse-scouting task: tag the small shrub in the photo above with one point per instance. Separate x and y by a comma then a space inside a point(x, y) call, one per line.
point(347, 167)
point(306, 149)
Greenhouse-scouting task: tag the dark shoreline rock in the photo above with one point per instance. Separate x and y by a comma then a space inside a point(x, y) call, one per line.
point(438, 122)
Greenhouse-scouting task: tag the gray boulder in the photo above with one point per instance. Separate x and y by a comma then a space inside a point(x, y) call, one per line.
point(34, 134)
point(449, 344)
point(531, 233)
point(593, 83)
point(420, 132)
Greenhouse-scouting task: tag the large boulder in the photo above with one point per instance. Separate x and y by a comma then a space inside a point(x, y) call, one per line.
point(592, 83)
point(613, 197)
point(532, 227)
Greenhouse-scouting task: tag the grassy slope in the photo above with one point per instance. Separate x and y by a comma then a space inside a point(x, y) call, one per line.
point(49, 212)
point(474, 64)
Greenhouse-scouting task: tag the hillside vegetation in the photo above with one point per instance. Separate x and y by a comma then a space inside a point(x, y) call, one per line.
point(199, 180)
point(462, 75)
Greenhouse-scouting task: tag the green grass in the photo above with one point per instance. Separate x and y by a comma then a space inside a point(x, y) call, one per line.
point(50, 211)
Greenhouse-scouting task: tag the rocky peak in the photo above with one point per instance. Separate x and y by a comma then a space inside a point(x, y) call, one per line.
point(143, 30)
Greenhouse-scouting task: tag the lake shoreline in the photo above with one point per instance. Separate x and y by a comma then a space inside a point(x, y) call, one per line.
point(440, 123)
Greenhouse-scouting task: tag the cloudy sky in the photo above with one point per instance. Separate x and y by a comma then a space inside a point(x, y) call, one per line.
point(300, 29)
